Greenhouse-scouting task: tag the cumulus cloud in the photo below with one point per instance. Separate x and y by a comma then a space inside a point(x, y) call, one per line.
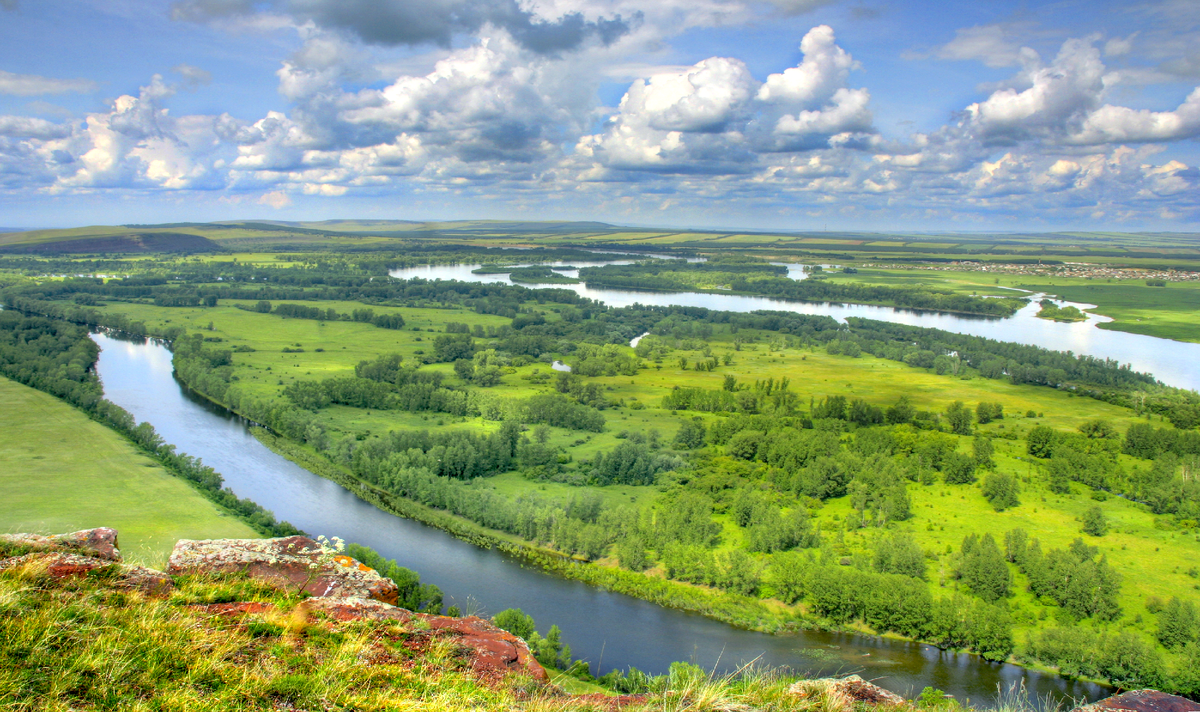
point(409, 22)
point(34, 85)
point(714, 116)
point(1056, 95)
point(25, 127)
point(1114, 124)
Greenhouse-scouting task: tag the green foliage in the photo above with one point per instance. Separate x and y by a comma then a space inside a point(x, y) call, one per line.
point(515, 621)
point(1178, 624)
point(1094, 522)
point(899, 554)
point(983, 569)
point(1001, 490)
point(1082, 584)
point(413, 595)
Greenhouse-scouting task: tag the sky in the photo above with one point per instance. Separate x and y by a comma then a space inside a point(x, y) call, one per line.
point(991, 115)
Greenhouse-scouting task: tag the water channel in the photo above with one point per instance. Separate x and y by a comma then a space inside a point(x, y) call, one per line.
point(607, 629)
point(1172, 362)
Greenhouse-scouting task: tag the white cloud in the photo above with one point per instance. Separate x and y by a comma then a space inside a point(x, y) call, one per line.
point(1119, 124)
point(990, 44)
point(276, 199)
point(35, 85)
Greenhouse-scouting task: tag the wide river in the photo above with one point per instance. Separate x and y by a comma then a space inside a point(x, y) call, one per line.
point(609, 630)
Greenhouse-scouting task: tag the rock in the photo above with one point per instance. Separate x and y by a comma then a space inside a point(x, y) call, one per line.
point(1142, 701)
point(289, 562)
point(495, 652)
point(100, 543)
point(57, 565)
point(60, 565)
point(492, 652)
point(846, 691)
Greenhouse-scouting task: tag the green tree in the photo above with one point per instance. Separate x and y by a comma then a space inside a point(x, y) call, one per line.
point(1178, 624)
point(983, 569)
point(959, 418)
point(1040, 441)
point(1094, 522)
point(900, 413)
point(515, 621)
point(787, 575)
point(690, 435)
point(958, 469)
point(1001, 490)
point(899, 554)
point(983, 451)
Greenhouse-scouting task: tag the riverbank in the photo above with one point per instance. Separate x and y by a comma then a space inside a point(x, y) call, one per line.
point(740, 611)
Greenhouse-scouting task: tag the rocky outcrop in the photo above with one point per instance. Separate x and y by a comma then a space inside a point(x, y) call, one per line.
point(845, 692)
point(61, 565)
point(294, 562)
point(100, 543)
point(1142, 701)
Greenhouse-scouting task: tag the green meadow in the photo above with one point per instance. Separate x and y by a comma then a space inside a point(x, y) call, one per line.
point(64, 472)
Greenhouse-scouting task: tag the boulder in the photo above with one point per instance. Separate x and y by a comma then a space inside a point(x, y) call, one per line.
point(1142, 701)
point(491, 652)
point(295, 562)
point(100, 542)
point(846, 691)
point(60, 565)
point(494, 652)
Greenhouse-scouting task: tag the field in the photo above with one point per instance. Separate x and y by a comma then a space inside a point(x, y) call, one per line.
point(63, 472)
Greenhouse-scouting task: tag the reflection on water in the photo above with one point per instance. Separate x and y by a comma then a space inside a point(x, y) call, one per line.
point(1172, 362)
point(609, 630)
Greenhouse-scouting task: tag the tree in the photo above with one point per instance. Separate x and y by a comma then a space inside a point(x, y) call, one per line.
point(959, 418)
point(1040, 441)
point(1178, 624)
point(987, 412)
point(899, 554)
point(983, 450)
point(515, 621)
point(958, 469)
point(1094, 522)
point(983, 569)
point(1001, 490)
point(690, 435)
point(787, 575)
point(900, 413)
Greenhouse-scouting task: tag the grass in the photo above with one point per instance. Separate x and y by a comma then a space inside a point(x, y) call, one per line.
point(64, 472)
point(79, 643)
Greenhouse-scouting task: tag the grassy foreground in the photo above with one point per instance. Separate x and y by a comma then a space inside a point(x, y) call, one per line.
point(80, 643)
point(63, 472)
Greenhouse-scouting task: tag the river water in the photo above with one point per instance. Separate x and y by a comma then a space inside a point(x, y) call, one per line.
point(1172, 362)
point(607, 629)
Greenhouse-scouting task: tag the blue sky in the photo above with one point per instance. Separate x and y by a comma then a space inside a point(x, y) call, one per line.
point(787, 114)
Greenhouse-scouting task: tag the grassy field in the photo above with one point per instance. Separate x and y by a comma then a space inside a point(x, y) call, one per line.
point(331, 349)
point(63, 472)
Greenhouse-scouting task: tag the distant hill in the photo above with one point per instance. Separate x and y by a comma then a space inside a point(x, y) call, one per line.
point(129, 242)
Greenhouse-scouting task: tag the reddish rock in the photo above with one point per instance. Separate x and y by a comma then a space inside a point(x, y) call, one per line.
point(148, 581)
point(60, 565)
point(493, 650)
point(100, 543)
point(295, 562)
point(1142, 701)
point(848, 690)
point(57, 565)
point(357, 609)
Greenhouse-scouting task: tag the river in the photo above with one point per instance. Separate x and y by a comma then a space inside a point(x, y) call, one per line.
point(607, 629)
point(1172, 362)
